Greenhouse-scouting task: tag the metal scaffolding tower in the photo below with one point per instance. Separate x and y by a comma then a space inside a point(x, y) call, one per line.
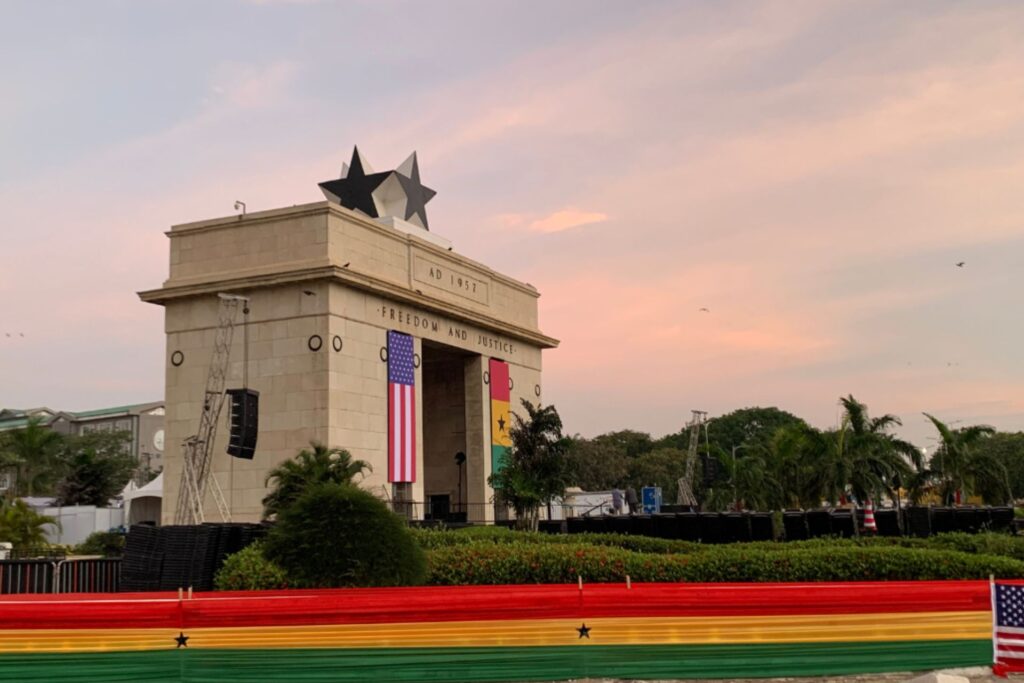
point(197, 460)
point(685, 493)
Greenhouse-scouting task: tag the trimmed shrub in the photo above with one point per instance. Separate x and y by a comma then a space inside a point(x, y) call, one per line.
point(848, 564)
point(105, 543)
point(337, 535)
point(443, 538)
point(989, 543)
point(249, 570)
point(495, 563)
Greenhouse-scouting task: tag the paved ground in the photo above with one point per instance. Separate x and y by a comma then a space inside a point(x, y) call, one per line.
point(976, 675)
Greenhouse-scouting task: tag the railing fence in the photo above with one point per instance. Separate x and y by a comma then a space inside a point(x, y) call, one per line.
point(85, 575)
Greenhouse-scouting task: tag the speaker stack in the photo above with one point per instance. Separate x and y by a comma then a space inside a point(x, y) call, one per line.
point(245, 405)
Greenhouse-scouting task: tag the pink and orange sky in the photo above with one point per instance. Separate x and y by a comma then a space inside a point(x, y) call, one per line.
point(808, 171)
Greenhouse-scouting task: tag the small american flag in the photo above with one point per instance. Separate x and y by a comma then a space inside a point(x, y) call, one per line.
point(1008, 629)
point(401, 409)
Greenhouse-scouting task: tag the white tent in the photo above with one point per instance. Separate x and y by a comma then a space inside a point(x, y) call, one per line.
point(143, 504)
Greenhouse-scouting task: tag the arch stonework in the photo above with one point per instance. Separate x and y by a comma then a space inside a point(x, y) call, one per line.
point(321, 270)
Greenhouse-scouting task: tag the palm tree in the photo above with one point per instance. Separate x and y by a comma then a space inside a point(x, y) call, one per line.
point(794, 456)
point(749, 483)
point(536, 468)
point(8, 467)
point(877, 461)
point(22, 526)
point(292, 477)
point(960, 468)
point(32, 451)
point(834, 468)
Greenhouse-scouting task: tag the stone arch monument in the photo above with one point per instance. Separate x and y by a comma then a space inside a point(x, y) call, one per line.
point(366, 332)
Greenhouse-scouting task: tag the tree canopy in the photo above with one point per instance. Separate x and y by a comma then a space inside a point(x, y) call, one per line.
point(22, 526)
point(772, 459)
point(537, 469)
point(596, 465)
point(96, 466)
point(1006, 448)
point(33, 453)
point(749, 427)
point(961, 467)
point(321, 465)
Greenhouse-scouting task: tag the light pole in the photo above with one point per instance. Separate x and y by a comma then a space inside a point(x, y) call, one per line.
point(460, 460)
point(735, 468)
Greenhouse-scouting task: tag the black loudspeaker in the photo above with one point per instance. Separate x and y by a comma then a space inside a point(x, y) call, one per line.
point(712, 469)
point(794, 522)
point(245, 409)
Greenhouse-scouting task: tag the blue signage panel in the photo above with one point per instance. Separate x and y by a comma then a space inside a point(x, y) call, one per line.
point(651, 499)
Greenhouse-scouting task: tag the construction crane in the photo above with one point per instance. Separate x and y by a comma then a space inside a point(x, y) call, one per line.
point(685, 483)
point(197, 460)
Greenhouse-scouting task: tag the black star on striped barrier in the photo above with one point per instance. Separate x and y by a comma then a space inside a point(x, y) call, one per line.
point(584, 631)
point(501, 424)
point(181, 640)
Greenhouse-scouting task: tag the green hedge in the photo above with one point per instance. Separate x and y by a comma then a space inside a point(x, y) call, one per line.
point(489, 555)
point(249, 570)
point(443, 538)
point(338, 535)
point(105, 543)
point(486, 562)
point(989, 543)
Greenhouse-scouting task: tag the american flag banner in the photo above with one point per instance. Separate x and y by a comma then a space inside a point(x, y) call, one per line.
point(401, 409)
point(1007, 628)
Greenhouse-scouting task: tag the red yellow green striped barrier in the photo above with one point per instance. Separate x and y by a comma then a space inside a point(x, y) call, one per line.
point(499, 633)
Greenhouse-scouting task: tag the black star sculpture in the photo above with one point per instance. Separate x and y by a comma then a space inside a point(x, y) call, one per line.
point(416, 193)
point(398, 193)
point(584, 631)
point(181, 640)
point(355, 190)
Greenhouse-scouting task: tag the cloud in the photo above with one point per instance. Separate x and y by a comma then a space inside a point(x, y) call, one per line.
point(794, 168)
point(566, 219)
point(282, 2)
point(510, 220)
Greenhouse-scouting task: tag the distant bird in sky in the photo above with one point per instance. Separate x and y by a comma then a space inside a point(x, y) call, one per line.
point(704, 310)
point(960, 264)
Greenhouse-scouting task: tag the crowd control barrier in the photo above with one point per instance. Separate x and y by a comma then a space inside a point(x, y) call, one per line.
point(506, 633)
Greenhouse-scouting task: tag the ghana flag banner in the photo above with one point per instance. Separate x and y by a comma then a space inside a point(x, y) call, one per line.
point(500, 417)
point(499, 633)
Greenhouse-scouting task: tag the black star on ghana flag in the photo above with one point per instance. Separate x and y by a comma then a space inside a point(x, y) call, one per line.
point(181, 640)
point(501, 424)
point(416, 193)
point(584, 631)
point(354, 190)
